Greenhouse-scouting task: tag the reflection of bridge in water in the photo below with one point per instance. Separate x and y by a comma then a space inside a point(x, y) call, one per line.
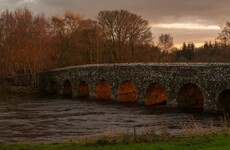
point(183, 85)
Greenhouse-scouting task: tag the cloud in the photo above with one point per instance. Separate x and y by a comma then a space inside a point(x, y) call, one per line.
point(191, 26)
point(172, 16)
point(155, 11)
point(27, 1)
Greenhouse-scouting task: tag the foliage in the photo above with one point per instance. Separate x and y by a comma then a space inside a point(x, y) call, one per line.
point(24, 42)
point(64, 38)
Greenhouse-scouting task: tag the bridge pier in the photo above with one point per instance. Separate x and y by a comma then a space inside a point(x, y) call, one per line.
point(114, 89)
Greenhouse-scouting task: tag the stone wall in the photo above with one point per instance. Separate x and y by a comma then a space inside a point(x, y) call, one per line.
point(211, 79)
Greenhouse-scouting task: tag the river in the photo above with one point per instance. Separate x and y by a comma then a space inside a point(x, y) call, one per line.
point(50, 119)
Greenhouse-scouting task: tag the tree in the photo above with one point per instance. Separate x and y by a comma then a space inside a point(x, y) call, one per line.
point(187, 51)
point(165, 42)
point(206, 45)
point(24, 40)
point(124, 31)
point(224, 36)
point(90, 41)
point(65, 32)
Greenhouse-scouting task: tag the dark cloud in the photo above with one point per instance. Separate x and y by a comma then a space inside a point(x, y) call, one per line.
point(207, 12)
point(155, 10)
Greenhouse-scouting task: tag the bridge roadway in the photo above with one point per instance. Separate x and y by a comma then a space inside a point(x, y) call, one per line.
point(175, 84)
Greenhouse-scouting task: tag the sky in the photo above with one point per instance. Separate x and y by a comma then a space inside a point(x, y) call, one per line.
point(186, 20)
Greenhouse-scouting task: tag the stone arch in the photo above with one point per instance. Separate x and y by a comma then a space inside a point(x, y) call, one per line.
point(103, 90)
point(52, 88)
point(127, 92)
point(190, 96)
point(223, 102)
point(155, 94)
point(83, 90)
point(67, 89)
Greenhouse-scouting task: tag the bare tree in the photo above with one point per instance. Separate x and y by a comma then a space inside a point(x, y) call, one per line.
point(224, 36)
point(165, 42)
point(124, 30)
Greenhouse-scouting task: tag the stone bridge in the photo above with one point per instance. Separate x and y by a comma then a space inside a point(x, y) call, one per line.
point(204, 86)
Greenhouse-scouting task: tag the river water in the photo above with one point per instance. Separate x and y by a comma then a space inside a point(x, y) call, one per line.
point(48, 119)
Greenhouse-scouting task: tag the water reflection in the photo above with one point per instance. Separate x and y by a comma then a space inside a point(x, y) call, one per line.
point(61, 119)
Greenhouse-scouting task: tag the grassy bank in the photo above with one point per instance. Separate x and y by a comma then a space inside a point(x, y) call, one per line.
point(211, 141)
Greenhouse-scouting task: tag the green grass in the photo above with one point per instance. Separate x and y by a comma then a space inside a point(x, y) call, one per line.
point(214, 141)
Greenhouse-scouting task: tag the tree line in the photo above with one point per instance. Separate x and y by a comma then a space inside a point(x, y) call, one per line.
point(33, 43)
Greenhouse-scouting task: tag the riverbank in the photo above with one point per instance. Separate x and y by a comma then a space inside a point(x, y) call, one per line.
point(9, 92)
point(201, 141)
